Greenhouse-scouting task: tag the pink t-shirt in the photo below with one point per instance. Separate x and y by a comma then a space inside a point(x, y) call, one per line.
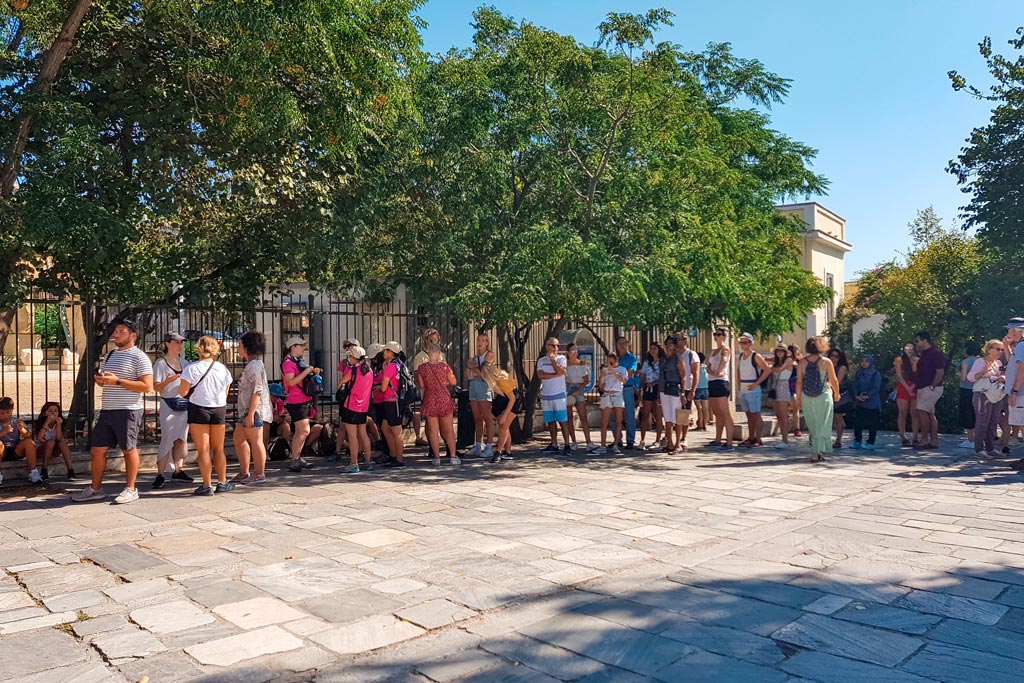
point(358, 400)
point(295, 393)
point(391, 372)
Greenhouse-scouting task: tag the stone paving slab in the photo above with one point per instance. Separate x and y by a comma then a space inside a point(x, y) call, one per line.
point(745, 566)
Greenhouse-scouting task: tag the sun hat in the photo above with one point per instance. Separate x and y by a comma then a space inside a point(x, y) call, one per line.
point(373, 349)
point(350, 342)
point(277, 390)
point(356, 351)
point(294, 341)
point(394, 347)
point(1015, 324)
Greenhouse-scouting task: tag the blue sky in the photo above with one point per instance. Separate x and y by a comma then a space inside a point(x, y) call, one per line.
point(869, 89)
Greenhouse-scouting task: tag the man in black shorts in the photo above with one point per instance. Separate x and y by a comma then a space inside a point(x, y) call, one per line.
point(126, 373)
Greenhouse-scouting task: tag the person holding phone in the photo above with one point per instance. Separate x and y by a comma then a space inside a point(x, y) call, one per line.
point(205, 384)
point(612, 380)
point(126, 373)
point(173, 411)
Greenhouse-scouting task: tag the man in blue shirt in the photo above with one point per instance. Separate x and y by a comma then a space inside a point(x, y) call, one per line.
point(630, 390)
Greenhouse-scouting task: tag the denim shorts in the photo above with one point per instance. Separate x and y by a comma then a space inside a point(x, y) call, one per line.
point(573, 400)
point(700, 394)
point(750, 401)
point(479, 390)
point(613, 400)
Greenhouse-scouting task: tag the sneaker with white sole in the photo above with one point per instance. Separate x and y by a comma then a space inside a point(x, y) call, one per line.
point(1, 477)
point(436, 462)
point(616, 450)
point(683, 444)
point(601, 450)
point(127, 496)
point(456, 460)
point(34, 477)
point(782, 446)
point(474, 450)
point(87, 494)
point(507, 456)
point(966, 444)
point(488, 451)
point(592, 447)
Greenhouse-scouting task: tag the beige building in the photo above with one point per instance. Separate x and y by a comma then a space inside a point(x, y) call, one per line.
point(824, 247)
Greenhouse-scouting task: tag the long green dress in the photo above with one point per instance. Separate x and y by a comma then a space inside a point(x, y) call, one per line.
point(818, 412)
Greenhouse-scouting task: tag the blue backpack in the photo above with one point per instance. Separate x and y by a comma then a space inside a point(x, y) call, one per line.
point(813, 384)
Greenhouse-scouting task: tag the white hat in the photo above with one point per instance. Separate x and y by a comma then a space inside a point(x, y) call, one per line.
point(351, 342)
point(393, 347)
point(373, 349)
point(356, 351)
point(749, 337)
point(294, 341)
point(1015, 324)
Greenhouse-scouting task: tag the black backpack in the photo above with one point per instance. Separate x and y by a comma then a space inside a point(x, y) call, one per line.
point(278, 449)
point(408, 392)
point(312, 384)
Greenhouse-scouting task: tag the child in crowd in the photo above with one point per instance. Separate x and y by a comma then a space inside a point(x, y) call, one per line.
point(48, 436)
point(16, 440)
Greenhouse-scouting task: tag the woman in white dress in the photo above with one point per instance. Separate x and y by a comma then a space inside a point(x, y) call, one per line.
point(173, 411)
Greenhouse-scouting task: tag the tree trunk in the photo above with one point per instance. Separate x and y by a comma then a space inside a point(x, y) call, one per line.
point(95, 319)
point(43, 82)
point(555, 327)
point(6, 319)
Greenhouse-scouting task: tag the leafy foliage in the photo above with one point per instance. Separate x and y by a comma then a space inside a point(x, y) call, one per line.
point(990, 170)
point(198, 151)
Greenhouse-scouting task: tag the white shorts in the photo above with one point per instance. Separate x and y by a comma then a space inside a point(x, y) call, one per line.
point(615, 400)
point(670, 405)
point(927, 398)
point(1016, 413)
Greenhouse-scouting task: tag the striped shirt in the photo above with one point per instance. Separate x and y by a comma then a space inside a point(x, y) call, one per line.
point(130, 364)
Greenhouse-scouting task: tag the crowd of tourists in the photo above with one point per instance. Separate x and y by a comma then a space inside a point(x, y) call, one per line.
point(668, 392)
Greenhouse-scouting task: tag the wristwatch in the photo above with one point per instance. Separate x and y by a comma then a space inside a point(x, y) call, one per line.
point(118, 382)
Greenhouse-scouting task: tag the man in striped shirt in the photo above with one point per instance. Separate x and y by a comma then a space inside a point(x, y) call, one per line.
point(125, 375)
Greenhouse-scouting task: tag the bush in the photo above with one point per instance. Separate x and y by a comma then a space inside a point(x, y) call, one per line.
point(47, 325)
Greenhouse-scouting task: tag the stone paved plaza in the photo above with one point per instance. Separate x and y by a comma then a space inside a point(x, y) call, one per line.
point(890, 567)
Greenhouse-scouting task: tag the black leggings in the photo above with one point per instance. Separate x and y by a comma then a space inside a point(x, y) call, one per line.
point(866, 418)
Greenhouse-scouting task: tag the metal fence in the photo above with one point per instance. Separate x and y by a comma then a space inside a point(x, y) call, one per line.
point(54, 346)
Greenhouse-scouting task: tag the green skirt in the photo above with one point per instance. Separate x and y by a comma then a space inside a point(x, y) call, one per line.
point(818, 411)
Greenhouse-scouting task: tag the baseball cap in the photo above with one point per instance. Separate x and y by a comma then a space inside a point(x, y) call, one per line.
point(277, 390)
point(1015, 324)
point(173, 336)
point(356, 351)
point(373, 349)
point(393, 347)
point(747, 336)
point(127, 322)
point(350, 342)
point(294, 341)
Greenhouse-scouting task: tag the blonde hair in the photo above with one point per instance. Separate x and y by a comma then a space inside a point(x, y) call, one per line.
point(492, 374)
point(207, 348)
point(427, 333)
point(992, 343)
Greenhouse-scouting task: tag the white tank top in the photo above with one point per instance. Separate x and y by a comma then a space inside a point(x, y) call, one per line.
point(748, 374)
point(717, 361)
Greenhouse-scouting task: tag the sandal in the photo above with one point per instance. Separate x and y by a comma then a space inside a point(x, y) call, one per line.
point(817, 457)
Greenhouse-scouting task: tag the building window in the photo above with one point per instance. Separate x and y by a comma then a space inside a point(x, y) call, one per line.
point(830, 307)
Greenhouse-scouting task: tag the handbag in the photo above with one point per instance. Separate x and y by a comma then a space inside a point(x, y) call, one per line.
point(192, 389)
point(176, 403)
point(995, 391)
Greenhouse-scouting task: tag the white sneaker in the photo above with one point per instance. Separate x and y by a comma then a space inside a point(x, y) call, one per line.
point(592, 447)
point(616, 450)
point(683, 444)
point(127, 496)
point(456, 460)
point(34, 477)
point(436, 462)
point(1, 477)
point(474, 450)
point(507, 456)
point(782, 446)
point(601, 450)
point(966, 444)
point(488, 451)
point(87, 494)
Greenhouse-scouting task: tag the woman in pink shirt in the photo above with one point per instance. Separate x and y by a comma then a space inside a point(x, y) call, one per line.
point(298, 403)
point(385, 402)
point(358, 382)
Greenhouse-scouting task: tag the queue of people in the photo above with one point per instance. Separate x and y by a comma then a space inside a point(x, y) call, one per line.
point(675, 389)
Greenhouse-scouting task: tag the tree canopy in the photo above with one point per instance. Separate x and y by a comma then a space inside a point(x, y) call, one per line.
point(990, 170)
point(195, 151)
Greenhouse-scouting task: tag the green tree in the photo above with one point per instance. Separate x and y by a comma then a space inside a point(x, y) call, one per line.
point(194, 152)
point(938, 288)
point(559, 180)
point(990, 170)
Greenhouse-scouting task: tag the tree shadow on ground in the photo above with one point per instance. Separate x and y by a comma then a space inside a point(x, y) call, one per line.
point(771, 626)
